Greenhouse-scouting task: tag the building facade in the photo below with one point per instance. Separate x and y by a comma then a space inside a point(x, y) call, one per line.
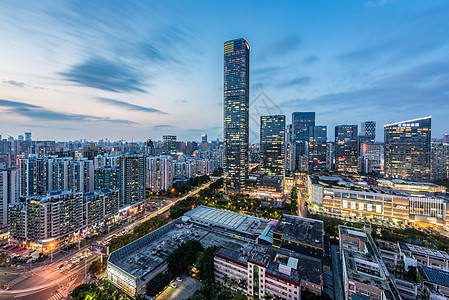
point(408, 149)
point(236, 115)
point(346, 148)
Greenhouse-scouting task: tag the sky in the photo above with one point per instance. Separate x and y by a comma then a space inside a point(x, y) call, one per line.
point(142, 69)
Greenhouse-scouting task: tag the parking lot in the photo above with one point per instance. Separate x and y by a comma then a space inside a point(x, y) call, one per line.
point(184, 289)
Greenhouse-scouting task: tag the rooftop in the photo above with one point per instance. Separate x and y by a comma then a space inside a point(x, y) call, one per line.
point(434, 275)
point(302, 230)
point(415, 249)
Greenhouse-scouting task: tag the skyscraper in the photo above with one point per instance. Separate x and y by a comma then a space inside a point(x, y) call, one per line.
point(317, 149)
point(236, 114)
point(368, 132)
point(301, 121)
point(132, 179)
point(408, 149)
point(169, 144)
point(346, 148)
point(204, 138)
point(272, 145)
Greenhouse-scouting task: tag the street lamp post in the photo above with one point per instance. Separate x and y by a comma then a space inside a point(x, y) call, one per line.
point(51, 245)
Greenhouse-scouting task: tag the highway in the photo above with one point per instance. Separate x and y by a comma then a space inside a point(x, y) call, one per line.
point(47, 282)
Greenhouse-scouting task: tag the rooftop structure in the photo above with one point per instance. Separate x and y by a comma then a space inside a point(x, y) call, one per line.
point(302, 235)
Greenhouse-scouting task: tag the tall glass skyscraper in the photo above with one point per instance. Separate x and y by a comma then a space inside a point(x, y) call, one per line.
point(301, 122)
point(408, 149)
point(272, 145)
point(236, 114)
point(368, 132)
point(346, 148)
point(317, 150)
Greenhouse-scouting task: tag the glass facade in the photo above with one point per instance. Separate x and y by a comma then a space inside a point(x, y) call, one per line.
point(272, 145)
point(368, 132)
point(236, 114)
point(408, 149)
point(346, 148)
point(301, 123)
point(317, 150)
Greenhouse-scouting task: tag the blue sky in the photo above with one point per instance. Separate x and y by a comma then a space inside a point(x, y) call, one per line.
point(141, 69)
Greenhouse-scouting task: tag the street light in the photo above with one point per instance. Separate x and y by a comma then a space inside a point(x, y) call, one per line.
point(51, 245)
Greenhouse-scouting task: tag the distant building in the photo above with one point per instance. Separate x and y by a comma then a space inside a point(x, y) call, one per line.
point(372, 155)
point(446, 138)
point(159, 173)
point(107, 178)
point(149, 147)
point(408, 149)
point(346, 148)
point(204, 138)
point(28, 136)
point(236, 115)
point(368, 132)
point(169, 144)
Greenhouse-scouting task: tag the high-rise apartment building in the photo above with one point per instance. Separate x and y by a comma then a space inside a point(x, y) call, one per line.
point(107, 178)
point(346, 148)
point(159, 175)
point(8, 193)
point(132, 179)
point(408, 149)
point(317, 148)
point(236, 114)
point(34, 176)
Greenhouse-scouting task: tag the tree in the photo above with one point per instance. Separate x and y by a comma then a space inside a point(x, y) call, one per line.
point(184, 257)
point(205, 263)
point(158, 283)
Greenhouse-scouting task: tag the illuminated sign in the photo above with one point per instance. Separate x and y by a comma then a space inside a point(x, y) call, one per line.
point(353, 204)
point(408, 125)
point(345, 203)
point(122, 280)
point(369, 207)
point(400, 207)
point(361, 206)
point(378, 208)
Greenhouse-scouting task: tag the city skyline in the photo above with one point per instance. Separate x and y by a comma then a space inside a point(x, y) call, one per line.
point(69, 72)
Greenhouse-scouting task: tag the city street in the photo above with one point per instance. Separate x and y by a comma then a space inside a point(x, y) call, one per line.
point(47, 282)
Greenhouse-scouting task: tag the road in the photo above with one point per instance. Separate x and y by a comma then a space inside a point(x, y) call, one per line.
point(47, 282)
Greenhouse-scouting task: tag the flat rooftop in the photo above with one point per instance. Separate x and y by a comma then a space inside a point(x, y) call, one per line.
point(301, 230)
point(420, 250)
point(436, 276)
point(208, 216)
point(353, 232)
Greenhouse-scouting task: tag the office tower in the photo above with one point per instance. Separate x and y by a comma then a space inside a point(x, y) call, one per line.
point(408, 149)
point(346, 148)
point(107, 178)
point(132, 179)
point(236, 114)
point(9, 193)
point(20, 137)
point(440, 161)
point(272, 145)
point(368, 132)
point(169, 144)
point(28, 136)
point(301, 121)
point(204, 138)
point(34, 176)
point(317, 148)
point(159, 173)
point(372, 158)
point(272, 154)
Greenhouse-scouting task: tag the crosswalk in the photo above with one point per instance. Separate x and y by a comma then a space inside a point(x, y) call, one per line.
point(57, 296)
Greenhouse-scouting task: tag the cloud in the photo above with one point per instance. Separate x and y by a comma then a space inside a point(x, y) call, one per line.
point(157, 127)
point(14, 83)
point(182, 101)
point(35, 112)
point(302, 80)
point(285, 45)
point(103, 74)
point(130, 106)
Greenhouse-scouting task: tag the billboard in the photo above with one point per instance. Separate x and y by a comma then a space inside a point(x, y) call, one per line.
point(99, 249)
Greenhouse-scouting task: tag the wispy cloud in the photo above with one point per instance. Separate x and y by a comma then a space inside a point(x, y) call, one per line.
point(107, 75)
point(36, 112)
point(130, 106)
point(14, 83)
point(376, 3)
